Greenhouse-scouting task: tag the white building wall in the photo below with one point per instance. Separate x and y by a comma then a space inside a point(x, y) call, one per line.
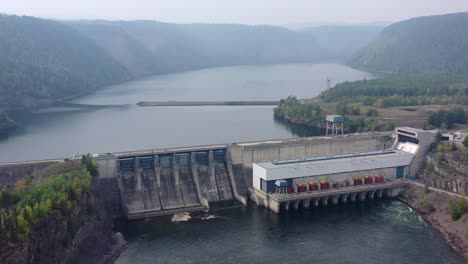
point(258, 173)
point(450, 137)
point(407, 171)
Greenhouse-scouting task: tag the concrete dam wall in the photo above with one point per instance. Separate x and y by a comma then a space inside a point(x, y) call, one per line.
point(162, 182)
point(168, 182)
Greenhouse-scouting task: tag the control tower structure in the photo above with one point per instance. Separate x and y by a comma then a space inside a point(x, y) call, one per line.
point(335, 123)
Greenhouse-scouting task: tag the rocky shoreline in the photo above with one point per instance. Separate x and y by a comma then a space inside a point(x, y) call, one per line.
point(455, 233)
point(110, 254)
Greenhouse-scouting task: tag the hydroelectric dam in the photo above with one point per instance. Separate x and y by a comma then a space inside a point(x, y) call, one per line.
point(277, 174)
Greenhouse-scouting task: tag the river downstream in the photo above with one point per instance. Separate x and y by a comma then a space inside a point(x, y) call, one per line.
point(371, 232)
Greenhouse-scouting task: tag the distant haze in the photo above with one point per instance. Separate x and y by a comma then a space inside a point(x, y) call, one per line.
point(273, 12)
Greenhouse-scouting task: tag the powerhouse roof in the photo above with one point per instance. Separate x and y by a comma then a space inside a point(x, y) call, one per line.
point(315, 166)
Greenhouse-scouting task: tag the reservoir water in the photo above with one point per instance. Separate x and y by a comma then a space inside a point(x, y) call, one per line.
point(373, 232)
point(58, 133)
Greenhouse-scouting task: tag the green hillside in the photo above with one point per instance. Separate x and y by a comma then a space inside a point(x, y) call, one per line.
point(344, 41)
point(420, 45)
point(150, 47)
point(43, 60)
point(123, 47)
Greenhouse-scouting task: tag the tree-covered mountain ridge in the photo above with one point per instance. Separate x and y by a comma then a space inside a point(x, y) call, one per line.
point(432, 44)
point(151, 47)
point(43, 60)
point(157, 47)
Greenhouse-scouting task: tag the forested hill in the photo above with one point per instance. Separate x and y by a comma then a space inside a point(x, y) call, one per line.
point(43, 59)
point(420, 45)
point(344, 41)
point(149, 47)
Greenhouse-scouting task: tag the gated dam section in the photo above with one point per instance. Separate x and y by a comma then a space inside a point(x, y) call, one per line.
point(141, 184)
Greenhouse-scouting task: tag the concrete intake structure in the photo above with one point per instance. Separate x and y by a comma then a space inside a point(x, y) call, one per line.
point(164, 181)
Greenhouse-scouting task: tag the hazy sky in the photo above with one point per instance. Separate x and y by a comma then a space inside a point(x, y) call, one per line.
point(276, 12)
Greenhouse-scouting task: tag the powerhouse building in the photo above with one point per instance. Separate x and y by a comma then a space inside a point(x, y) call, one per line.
point(403, 160)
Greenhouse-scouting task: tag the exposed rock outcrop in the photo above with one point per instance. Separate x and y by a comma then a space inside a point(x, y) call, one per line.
point(84, 237)
point(448, 171)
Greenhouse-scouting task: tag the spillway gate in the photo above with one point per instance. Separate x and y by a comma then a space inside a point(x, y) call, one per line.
point(165, 183)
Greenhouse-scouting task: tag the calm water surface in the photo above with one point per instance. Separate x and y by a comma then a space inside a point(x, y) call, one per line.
point(369, 232)
point(66, 133)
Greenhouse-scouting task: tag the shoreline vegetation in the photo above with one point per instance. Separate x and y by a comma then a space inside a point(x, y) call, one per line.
point(62, 204)
point(437, 100)
point(26, 203)
point(295, 111)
